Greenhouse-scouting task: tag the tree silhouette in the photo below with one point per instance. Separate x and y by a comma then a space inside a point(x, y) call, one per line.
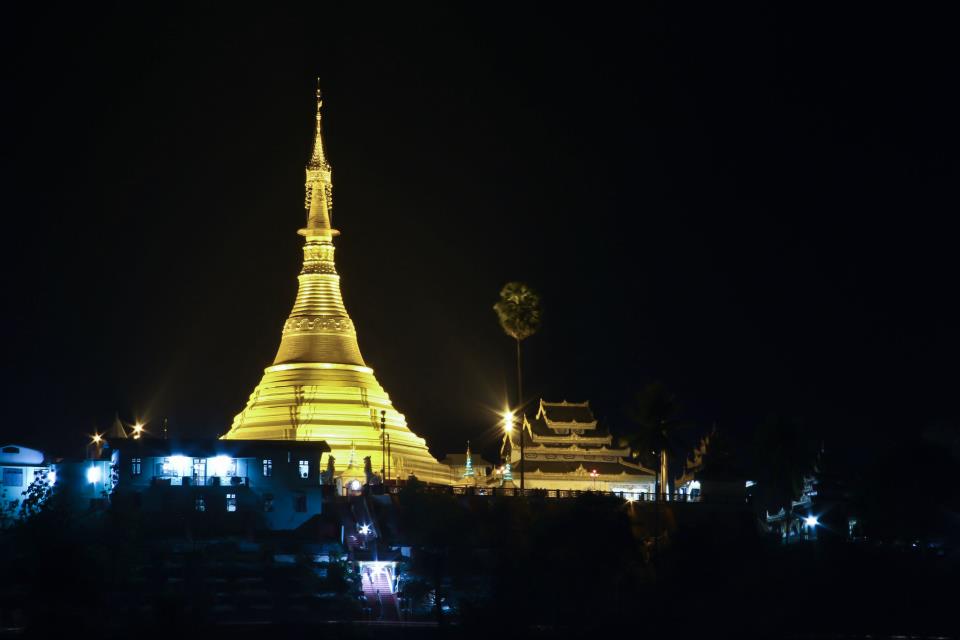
point(785, 453)
point(656, 417)
point(519, 313)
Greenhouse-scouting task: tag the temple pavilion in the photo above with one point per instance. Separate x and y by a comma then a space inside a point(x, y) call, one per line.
point(318, 386)
point(566, 448)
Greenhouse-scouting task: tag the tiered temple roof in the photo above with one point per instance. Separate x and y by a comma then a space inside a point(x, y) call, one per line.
point(565, 440)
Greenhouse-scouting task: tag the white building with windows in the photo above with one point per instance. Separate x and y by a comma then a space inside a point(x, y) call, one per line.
point(20, 467)
point(259, 483)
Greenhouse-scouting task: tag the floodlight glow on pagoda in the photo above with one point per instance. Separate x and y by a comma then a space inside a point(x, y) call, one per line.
point(811, 521)
point(365, 529)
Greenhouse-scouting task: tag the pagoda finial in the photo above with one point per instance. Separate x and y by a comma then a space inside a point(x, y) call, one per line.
point(319, 172)
point(318, 158)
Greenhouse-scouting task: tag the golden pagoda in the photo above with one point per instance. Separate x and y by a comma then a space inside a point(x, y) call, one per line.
point(318, 387)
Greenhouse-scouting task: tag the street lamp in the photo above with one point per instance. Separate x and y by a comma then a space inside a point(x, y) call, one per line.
point(93, 449)
point(508, 427)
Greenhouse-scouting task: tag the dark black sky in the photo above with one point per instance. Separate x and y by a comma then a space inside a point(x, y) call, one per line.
point(754, 207)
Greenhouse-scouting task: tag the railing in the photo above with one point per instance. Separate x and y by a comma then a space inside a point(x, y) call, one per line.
point(189, 481)
point(629, 496)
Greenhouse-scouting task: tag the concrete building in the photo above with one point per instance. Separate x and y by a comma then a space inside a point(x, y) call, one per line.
point(266, 484)
point(21, 467)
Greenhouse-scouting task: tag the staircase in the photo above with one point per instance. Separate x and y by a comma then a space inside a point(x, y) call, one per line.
point(380, 597)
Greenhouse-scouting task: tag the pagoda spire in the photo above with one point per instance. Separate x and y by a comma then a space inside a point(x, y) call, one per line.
point(318, 386)
point(318, 158)
point(319, 172)
point(468, 471)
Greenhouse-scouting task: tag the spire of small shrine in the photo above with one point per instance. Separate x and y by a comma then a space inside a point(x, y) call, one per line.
point(468, 472)
point(116, 429)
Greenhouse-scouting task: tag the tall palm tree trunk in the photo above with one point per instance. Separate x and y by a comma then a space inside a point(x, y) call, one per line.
point(519, 378)
point(520, 407)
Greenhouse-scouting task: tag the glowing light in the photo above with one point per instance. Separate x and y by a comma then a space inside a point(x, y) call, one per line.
point(137, 431)
point(177, 465)
point(93, 474)
point(96, 438)
point(219, 466)
point(51, 477)
point(811, 521)
point(355, 485)
point(364, 529)
point(508, 421)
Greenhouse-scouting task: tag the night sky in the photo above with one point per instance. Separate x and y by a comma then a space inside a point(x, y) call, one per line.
point(755, 208)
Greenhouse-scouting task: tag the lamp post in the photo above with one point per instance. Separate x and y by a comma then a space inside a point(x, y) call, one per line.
point(508, 427)
point(383, 445)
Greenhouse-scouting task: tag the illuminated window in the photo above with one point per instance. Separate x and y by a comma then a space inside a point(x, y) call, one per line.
point(267, 468)
point(268, 502)
point(300, 503)
point(304, 468)
point(13, 477)
point(135, 466)
point(200, 504)
point(231, 502)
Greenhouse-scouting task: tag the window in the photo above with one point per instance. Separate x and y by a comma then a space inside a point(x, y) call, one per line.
point(267, 468)
point(201, 504)
point(231, 502)
point(300, 503)
point(304, 468)
point(13, 477)
point(268, 502)
point(135, 466)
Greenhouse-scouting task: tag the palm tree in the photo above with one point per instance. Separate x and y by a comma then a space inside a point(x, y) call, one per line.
point(519, 313)
point(655, 414)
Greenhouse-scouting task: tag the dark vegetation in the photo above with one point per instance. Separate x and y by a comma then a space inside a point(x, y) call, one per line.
point(550, 568)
